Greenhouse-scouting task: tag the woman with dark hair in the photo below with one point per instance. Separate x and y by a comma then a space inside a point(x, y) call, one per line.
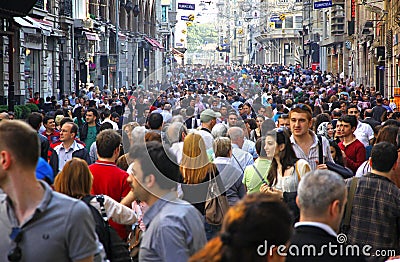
point(79, 118)
point(286, 169)
point(256, 133)
point(336, 153)
point(254, 221)
point(251, 125)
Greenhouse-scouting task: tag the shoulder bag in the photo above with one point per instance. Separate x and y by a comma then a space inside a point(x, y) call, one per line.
point(216, 204)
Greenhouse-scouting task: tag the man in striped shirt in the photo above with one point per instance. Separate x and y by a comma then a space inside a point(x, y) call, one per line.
point(304, 141)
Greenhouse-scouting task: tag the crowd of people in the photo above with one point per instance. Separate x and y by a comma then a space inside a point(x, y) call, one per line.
point(282, 143)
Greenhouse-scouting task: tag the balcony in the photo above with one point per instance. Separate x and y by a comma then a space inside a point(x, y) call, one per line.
point(39, 10)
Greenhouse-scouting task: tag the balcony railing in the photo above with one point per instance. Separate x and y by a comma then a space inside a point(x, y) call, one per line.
point(66, 8)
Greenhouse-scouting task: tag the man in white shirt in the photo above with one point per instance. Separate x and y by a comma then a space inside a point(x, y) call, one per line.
point(240, 158)
point(107, 118)
point(364, 132)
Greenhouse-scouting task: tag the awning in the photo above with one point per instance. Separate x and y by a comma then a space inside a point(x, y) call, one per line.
point(26, 26)
point(45, 26)
point(150, 41)
point(92, 36)
point(15, 8)
point(176, 52)
point(160, 46)
point(154, 43)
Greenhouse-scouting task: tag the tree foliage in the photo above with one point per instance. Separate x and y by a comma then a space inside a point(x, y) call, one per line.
point(199, 35)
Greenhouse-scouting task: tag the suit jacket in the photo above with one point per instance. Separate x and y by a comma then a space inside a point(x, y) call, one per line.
point(372, 122)
point(311, 235)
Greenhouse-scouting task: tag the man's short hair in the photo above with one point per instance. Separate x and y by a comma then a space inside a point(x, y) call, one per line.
point(167, 173)
point(94, 111)
point(46, 119)
point(155, 120)
point(174, 132)
point(35, 120)
point(21, 140)
point(106, 142)
point(318, 189)
point(383, 156)
point(352, 120)
point(352, 106)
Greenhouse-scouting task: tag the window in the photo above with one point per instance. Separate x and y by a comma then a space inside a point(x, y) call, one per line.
point(240, 45)
point(164, 13)
point(289, 22)
point(298, 22)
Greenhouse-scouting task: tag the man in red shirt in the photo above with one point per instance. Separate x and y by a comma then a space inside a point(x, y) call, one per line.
point(353, 150)
point(52, 134)
point(108, 179)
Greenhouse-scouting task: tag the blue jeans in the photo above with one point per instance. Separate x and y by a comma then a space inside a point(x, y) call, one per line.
point(211, 230)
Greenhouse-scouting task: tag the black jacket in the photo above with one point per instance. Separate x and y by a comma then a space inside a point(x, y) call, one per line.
point(44, 146)
point(84, 131)
point(306, 236)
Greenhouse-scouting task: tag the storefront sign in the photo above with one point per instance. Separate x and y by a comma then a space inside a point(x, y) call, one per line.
point(353, 9)
point(322, 4)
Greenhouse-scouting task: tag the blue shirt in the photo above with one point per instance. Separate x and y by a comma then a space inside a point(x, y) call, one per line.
point(175, 231)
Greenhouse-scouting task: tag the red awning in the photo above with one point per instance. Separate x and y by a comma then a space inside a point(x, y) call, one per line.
point(92, 36)
point(154, 43)
point(160, 46)
point(176, 52)
point(43, 22)
point(150, 41)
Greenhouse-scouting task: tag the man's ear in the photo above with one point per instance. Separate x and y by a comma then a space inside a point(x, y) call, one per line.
point(150, 181)
point(5, 160)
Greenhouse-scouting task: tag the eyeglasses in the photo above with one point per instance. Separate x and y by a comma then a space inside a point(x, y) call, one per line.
point(15, 254)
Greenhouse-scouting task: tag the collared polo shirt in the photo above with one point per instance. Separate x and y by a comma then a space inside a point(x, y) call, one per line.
point(175, 231)
point(61, 229)
point(64, 155)
point(313, 153)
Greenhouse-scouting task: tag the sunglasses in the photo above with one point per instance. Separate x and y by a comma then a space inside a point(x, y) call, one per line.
point(283, 116)
point(15, 254)
point(303, 107)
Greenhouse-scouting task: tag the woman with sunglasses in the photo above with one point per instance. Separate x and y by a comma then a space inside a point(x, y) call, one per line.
point(286, 169)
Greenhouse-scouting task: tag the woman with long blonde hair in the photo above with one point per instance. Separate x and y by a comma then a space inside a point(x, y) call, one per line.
point(197, 170)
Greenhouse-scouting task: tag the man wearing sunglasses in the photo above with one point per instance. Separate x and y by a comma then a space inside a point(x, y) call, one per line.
point(304, 140)
point(36, 223)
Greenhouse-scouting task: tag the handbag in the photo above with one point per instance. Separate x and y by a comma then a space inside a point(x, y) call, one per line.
point(344, 172)
point(216, 204)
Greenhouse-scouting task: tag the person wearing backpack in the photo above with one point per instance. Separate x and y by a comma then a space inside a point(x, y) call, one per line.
point(75, 180)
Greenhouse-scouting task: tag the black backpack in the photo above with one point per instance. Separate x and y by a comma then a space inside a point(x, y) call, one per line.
point(116, 249)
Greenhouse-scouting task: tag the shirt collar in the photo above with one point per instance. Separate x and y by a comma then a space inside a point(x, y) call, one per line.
point(48, 194)
point(322, 226)
point(155, 209)
point(314, 137)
